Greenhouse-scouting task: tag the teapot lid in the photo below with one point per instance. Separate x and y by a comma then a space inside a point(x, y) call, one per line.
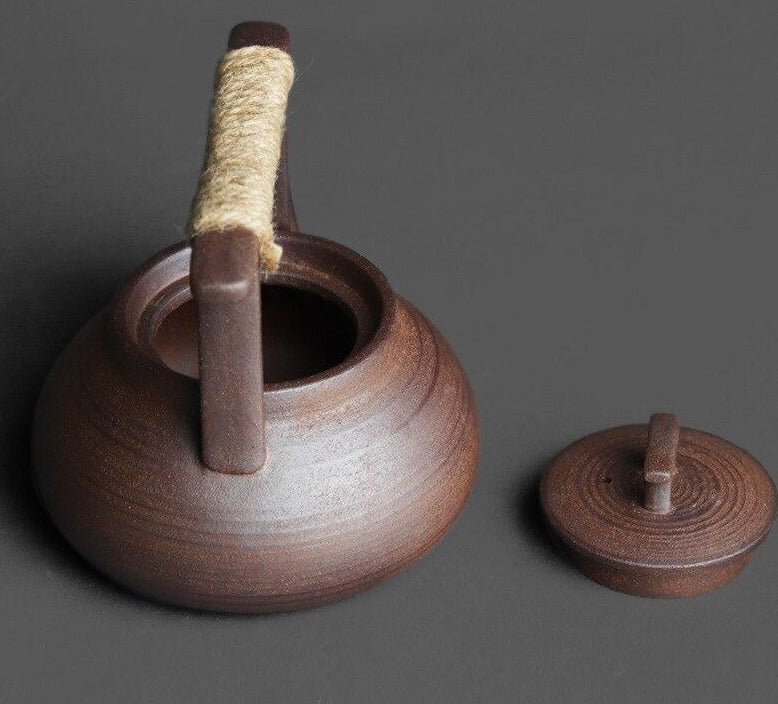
point(658, 510)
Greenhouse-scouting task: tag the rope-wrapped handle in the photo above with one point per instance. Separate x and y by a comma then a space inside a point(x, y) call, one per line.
point(232, 229)
point(245, 135)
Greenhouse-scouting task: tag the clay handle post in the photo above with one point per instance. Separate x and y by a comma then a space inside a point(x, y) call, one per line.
point(660, 464)
point(225, 282)
point(283, 209)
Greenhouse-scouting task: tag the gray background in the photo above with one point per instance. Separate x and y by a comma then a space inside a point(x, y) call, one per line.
point(581, 195)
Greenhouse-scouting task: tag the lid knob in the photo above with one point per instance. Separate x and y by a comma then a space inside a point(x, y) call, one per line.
point(660, 464)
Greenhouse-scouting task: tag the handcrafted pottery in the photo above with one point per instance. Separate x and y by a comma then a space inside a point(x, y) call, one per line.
point(350, 463)
point(658, 510)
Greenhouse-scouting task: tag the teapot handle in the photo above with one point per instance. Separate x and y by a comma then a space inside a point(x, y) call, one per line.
point(244, 187)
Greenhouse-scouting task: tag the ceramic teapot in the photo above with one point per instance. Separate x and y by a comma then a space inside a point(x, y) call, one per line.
point(224, 437)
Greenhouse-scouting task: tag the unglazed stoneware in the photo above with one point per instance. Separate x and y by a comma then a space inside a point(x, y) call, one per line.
point(370, 431)
point(658, 510)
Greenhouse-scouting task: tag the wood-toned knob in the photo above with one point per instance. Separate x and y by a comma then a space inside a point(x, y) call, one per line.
point(258, 34)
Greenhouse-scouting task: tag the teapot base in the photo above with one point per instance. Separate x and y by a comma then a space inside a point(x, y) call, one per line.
point(368, 463)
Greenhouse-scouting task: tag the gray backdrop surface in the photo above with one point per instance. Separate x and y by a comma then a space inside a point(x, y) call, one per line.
point(582, 196)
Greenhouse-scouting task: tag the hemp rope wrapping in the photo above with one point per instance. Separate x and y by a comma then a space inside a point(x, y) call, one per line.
point(245, 132)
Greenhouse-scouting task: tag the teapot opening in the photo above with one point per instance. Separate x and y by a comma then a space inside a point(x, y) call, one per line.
point(303, 333)
point(325, 309)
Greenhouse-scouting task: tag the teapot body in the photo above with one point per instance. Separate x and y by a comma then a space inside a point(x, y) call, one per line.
point(372, 444)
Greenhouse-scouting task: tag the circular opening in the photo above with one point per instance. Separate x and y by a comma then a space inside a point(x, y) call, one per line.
point(303, 333)
point(324, 310)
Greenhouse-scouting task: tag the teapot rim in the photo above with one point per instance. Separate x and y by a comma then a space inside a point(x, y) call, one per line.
point(160, 285)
